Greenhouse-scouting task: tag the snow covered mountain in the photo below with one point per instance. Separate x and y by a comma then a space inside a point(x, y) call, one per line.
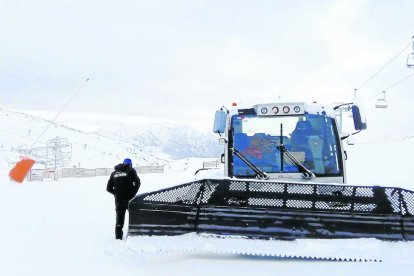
point(146, 144)
point(177, 141)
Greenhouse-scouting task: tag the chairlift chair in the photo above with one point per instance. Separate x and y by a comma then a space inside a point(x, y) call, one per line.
point(410, 60)
point(382, 102)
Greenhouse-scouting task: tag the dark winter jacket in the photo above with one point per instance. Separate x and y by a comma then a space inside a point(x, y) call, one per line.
point(123, 182)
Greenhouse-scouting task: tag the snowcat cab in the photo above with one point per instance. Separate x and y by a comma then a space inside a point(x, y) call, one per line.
point(282, 141)
point(284, 182)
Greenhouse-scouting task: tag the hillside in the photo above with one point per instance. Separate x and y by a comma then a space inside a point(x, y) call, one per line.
point(111, 143)
point(177, 141)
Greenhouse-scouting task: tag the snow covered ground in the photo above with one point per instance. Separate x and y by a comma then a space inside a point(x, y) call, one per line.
point(66, 227)
point(384, 164)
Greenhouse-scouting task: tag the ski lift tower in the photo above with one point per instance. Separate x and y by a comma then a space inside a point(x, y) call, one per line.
point(55, 154)
point(58, 153)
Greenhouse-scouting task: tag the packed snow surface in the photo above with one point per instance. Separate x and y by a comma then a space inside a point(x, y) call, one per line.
point(350, 249)
point(65, 227)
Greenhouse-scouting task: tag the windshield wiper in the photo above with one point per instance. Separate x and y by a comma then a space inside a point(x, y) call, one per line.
point(259, 173)
point(307, 174)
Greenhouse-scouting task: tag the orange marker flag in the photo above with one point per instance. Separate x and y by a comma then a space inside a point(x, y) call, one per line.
point(20, 170)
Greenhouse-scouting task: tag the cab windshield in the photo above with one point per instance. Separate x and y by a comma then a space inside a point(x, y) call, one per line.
point(312, 140)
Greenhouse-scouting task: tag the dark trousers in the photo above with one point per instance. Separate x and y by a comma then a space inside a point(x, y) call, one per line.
point(121, 205)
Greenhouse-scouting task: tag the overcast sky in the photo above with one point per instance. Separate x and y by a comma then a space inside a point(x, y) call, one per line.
point(180, 60)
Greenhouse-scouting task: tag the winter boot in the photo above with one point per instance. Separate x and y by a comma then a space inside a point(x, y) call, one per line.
point(118, 232)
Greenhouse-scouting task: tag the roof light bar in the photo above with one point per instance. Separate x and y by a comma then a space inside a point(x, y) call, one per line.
point(279, 109)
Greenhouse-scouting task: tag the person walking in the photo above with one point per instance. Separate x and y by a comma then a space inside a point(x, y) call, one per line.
point(123, 184)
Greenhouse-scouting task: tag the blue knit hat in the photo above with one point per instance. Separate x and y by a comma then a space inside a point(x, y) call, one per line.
point(127, 161)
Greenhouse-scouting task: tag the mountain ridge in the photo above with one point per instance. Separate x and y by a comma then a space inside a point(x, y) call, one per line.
point(154, 145)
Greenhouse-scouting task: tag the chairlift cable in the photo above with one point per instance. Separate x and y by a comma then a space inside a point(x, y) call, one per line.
point(400, 81)
point(391, 86)
point(383, 67)
point(57, 114)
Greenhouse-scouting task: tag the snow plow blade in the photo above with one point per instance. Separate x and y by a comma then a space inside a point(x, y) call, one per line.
point(255, 210)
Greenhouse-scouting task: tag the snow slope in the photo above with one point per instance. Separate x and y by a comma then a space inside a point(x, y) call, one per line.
point(178, 141)
point(66, 228)
point(20, 130)
point(146, 145)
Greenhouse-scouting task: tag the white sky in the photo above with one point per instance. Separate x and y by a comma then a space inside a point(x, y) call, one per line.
point(180, 60)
